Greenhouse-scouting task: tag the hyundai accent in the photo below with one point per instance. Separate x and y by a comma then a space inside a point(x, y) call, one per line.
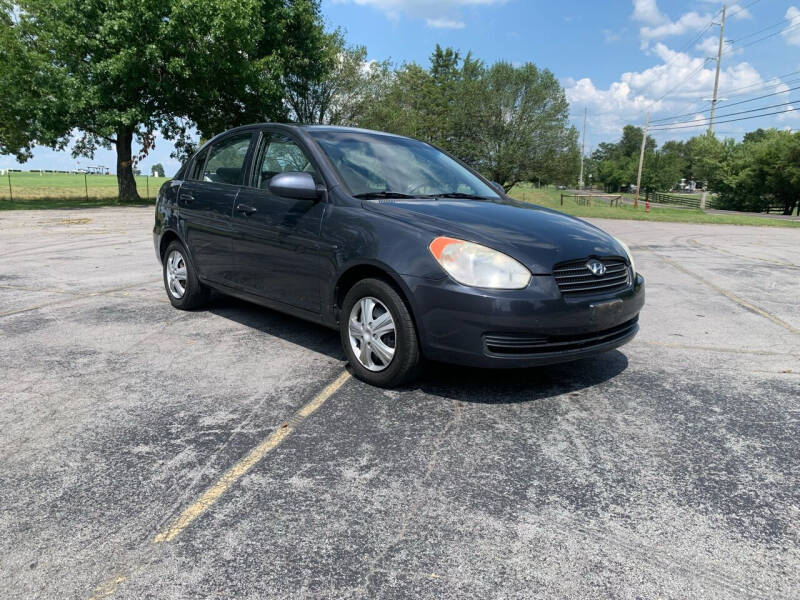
point(407, 251)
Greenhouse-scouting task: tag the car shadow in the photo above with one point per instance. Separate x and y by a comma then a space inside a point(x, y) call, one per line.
point(509, 386)
point(467, 384)
point(292, 329)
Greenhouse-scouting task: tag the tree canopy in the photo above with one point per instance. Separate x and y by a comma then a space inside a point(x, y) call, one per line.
point(340, 87)
point(509, 122)
point(760, 172)
point(110, 71)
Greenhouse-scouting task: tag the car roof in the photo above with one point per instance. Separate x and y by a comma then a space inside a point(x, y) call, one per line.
point(339, 128)
point(312, 127)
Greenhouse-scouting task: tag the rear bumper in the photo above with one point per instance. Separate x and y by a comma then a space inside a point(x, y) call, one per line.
point(520, 328)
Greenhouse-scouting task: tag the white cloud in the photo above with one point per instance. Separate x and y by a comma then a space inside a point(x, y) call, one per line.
point(709, 46)
point(739, 12)
point(646, 11)
point(792, 36)
point(691, 21)
point(680, 84)
point(658, 26)
point(445, 23)
point(443, 14)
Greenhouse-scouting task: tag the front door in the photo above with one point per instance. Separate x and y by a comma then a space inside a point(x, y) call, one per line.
point(206, 200)
point(277, 245)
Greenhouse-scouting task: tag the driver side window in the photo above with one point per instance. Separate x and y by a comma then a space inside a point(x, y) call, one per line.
point(225, 162)
point(279, 154)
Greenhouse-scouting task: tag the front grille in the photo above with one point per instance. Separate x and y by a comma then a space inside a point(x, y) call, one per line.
point(505, 343)
point(575, 278)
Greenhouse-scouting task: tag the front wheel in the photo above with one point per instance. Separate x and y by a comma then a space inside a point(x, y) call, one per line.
point(183, 288)
point(378, 334)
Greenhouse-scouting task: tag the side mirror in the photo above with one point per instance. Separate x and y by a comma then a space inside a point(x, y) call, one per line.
point(498, 188)
point(294, 184)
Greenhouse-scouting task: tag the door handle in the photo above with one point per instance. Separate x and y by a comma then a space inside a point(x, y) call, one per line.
point(246, 209)
point(186, 197)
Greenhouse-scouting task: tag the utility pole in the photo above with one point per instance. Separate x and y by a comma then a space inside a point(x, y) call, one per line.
point(641, 161)
point(583, 147)
point(716, 77)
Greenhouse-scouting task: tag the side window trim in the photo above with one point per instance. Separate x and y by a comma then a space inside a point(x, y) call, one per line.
point(261, 147)
point(264, 136)
point(245, 163)
point(193, 170)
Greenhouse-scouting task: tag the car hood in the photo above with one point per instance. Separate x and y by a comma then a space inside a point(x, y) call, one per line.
point(537, 237)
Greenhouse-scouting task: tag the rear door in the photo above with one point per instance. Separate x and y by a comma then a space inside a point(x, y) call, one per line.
point(277, 247)
point(206, 200)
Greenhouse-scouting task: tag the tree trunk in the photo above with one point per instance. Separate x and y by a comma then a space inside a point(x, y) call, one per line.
point(126, 184)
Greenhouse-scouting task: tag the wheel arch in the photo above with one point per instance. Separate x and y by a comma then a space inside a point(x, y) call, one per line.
point(167, 238)
point(365, 270)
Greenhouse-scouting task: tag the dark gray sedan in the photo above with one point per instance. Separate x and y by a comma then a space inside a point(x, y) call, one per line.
point(405, 250)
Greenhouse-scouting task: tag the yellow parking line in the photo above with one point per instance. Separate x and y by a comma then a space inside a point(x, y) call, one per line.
point(107, 588)
point(212, 494)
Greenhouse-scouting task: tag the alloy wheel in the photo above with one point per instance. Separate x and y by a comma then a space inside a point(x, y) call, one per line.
point(176, 274)
point(372, 333)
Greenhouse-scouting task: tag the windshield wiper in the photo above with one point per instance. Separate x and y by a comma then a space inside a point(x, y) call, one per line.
point(460, 195)
point(383, 194)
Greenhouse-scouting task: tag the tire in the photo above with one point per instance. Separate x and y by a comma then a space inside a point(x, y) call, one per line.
point(371, 365)
point(177, 266)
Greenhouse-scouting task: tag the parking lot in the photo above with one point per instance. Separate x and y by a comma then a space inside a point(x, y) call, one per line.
point(153, 453)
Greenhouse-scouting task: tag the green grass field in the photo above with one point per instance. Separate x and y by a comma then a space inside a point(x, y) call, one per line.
point(551, 198)
point(63, 190)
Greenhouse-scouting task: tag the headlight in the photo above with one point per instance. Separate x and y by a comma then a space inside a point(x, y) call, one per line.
point(479, 266)
point(630, 256)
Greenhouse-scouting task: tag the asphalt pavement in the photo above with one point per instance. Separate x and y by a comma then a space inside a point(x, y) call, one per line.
point(225, 453)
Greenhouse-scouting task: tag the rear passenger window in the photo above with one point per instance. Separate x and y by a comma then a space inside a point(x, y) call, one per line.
point(279, 154)
point(226, 158)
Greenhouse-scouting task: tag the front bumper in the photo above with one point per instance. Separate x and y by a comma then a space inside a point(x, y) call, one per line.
point(520, 328)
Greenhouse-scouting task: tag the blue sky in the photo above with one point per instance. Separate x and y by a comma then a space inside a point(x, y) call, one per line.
point(618, 59)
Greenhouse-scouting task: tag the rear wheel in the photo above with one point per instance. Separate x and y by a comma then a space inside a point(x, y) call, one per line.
point(378, 334)
point(184, 290)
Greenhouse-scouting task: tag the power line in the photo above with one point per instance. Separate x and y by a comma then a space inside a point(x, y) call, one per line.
point(741, 112)
point(777, 112)
point(763, 85)
point(720, 53)
point(682, 81)
point(680, 52)
point(742, 8)
point(749, 35)
point(759, 40)
point(728, 104)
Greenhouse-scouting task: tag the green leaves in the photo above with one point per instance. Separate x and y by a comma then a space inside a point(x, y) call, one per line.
point(761, 172)
point(114, 69)
point(509, 122)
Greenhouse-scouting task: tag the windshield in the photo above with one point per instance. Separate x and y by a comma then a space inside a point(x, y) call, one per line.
point(378, 165)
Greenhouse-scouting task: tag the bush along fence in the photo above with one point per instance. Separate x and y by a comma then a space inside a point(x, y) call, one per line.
point(697, 203)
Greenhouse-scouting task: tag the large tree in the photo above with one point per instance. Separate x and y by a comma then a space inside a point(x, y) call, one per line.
point(103, 72)
point(509, 122)
point(761, 172)
point(338, 89)
point(617, 163)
